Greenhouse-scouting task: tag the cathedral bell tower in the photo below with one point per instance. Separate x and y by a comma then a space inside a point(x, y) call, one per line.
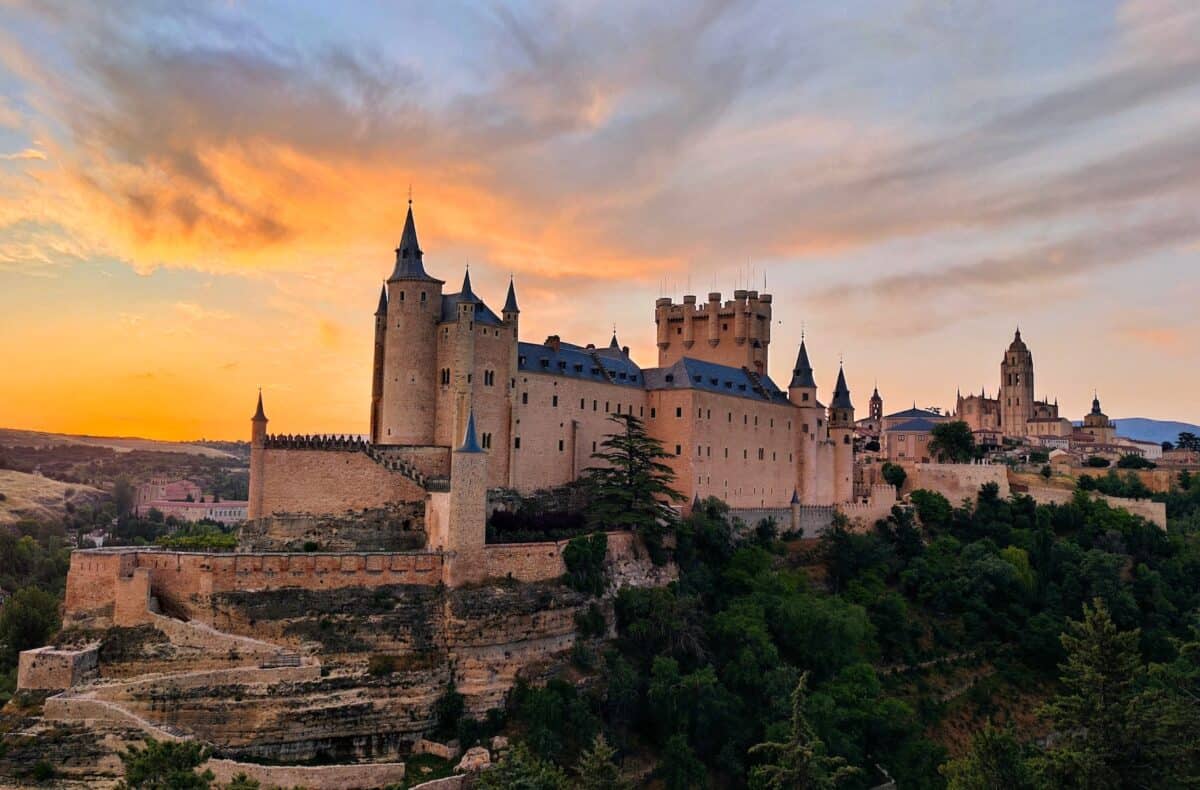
point(1016, 388)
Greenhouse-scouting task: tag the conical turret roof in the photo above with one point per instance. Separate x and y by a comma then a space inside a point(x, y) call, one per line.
point(510, 301)
point(382, 309)
point(470, 443)
point(802, 374)
point(466, 294)
point(259, 414)
point(409, 258)
point(841, 393)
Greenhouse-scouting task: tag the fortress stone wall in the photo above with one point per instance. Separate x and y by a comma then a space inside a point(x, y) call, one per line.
point(325, 481)
point(956, 482)
point(1154, 512)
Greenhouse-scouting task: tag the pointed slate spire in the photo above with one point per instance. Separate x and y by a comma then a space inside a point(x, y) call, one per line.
point(613, 344)
point(841, 393)
point(382, 309)
point(802, 374)
point(510, 302)
point(259, 414)
point(795, 497)
point(466, 294)
point(470, 443)
point(409, 264)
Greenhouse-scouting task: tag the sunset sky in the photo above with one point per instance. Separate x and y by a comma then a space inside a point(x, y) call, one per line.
point(198, 202)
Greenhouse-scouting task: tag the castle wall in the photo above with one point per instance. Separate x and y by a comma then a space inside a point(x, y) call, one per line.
point(104, 580)
point(1154, 512)
point(736, 333)
point(49, 668)
point(580, 421)
point(329, 482)
point(956, 482)
point(738, 449)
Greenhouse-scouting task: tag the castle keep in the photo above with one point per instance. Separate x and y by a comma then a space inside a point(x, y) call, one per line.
point(460, 406)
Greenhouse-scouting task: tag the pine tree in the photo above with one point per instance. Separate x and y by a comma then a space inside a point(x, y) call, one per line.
point(596, 769)
point(631, 489)
point(165, 764)
point(1112, 730)
point(801, 761)
point(996, 760)
point(522, 770)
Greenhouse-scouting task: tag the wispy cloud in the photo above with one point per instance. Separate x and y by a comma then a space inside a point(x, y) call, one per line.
point(24, 153)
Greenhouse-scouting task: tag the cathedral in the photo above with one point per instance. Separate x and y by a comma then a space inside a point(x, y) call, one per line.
point(1014, 413)
point(450, 373)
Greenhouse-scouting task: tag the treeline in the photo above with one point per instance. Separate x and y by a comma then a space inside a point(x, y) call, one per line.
point(1053, 598)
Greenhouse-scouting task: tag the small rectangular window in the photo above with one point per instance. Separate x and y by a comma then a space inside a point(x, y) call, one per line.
point(560, 445)
point(678, 449)
point(653, 412)
point(524, 397)
point(678, 411)
point(554, 400)
point(516, 442)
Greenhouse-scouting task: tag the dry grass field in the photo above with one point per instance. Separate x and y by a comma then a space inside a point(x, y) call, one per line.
point(10, 437)
point(34, 496)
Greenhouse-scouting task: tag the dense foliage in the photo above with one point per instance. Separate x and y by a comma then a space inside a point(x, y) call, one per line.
point(704, 674)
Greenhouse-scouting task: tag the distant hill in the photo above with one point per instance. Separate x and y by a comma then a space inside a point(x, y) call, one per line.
point(37, 497)
point(10, 437)
point(1152, 430)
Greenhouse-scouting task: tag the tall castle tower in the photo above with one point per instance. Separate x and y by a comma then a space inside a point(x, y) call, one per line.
point(1016, 387)
point(875, 408)
point(841, 434)
point(736, 334)
point(414, 304)
point(802, 392)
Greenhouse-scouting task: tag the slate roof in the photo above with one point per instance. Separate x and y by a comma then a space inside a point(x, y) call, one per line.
point(913, 414)
point(841, 393)
point(688, 373)
point(802, 374)
point(578, 362)
point(483, 313)
point(409, 257)
point(913, 425)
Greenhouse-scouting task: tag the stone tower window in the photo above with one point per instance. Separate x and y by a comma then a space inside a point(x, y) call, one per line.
point(524, 398)
point(554, 402)
point(402, 296)
point(423, 297)
point(516, 442)
point(560, 445)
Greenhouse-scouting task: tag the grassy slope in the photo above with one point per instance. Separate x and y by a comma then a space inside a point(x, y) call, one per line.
point(13, 437)
point(34, 496)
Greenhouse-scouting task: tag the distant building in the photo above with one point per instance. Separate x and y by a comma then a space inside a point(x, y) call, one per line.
point(184, 500)
point(909, 440)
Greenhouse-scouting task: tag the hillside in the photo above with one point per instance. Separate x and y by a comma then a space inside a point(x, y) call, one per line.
point(1153, 430)
point(11, 437)
point(28, 496)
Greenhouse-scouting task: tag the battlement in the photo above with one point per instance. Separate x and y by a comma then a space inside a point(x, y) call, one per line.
point(336, 442)
point(735, 332)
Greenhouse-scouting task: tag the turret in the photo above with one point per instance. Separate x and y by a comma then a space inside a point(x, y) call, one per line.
point(802, 392)
point(841, 434)
point(466, 526)
point(409, 386)
point(463, 351)
point(377, 363)
point(258, 441)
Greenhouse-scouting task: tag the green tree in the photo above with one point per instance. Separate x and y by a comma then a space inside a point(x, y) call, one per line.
point(800, 761)
point(165, 765)
point(680, 769)
point(1134, 461)
point(893, 474)
point(243, 782)
point(522, 770)
point(631, 489)
point(996, 761)
point(123, 496)
point(1188, 441)
point(596, 770)
point(1113, 731)
point(28, 620)
point(952, 442)
point(584, 557)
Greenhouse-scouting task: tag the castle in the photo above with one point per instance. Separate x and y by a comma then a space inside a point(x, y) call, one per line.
point(460, 406)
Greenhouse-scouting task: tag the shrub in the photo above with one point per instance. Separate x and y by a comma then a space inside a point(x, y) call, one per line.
point(1096, 462)
point(591, 623)
point(584, 557)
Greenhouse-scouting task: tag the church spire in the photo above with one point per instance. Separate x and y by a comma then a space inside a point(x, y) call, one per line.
point(802, 374)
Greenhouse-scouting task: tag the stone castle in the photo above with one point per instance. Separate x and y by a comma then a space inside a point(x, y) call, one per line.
point(460, 406)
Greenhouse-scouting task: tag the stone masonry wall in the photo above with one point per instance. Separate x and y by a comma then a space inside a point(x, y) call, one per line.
point(1154, 512)
point(956, 482)
point(328, 482)
point(52, 668)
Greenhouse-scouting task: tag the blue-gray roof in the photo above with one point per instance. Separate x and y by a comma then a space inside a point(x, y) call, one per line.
point(914, 425)
point(690, 373)
point(577, 362)
point(483, 313)
point(913, 414)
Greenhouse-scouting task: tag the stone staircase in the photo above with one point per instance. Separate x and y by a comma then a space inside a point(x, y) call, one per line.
point(393, 463)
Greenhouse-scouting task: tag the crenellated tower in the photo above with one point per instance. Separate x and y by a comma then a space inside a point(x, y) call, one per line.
point(737, 333)
point(414, 303)
point(1016, 388)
